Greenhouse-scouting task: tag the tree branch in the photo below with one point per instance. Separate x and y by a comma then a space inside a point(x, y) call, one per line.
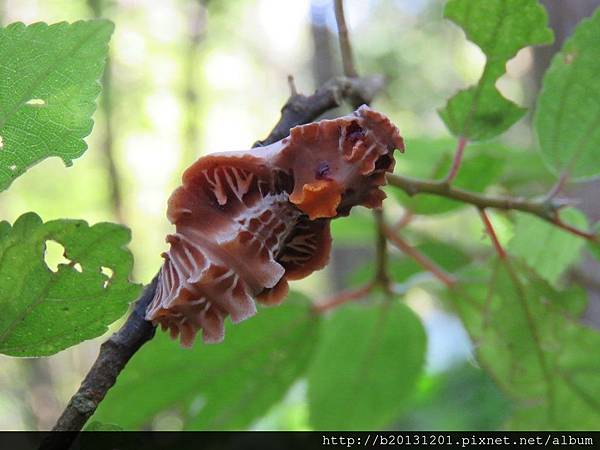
point(301, 109)
point(546, 209)
point(114, 355)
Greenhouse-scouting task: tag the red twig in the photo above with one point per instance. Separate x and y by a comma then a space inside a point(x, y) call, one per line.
point(458, 155)
point(420, 258)
point(406, 218)
point(576, 231)
point(492, 234)
point(343, 297)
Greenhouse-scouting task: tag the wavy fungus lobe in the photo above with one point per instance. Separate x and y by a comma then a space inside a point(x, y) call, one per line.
point(246, 222)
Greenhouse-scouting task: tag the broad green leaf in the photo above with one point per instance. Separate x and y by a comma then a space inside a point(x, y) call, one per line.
point(401, 267)
point(528, 337)
point(43, 311)
point(366, 367)
point(217, 387)
point(545, 247)
point(482, 165)
point(500, 28)
point(568, 108)
point(48, 86)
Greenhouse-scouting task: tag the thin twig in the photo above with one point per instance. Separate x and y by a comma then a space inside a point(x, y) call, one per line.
point(420, 258)
point(405, 220)
point(544, 209)
point(457, 160)
point(343, 297)
point(106, 107)
point(577, 232)
point(292, 85)
point(301, 109)
point(382, 277)
point(344, 38)
point(492, 234)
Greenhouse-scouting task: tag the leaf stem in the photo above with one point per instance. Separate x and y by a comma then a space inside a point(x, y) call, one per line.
point(343, 297)
point(577, 232)
point(492, 234)
point(457, 160)
point(420, 258)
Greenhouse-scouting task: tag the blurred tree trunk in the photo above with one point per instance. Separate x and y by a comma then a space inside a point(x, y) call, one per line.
point(564, 17)
point(323, 41)
point(106, 108)
point(191, 128)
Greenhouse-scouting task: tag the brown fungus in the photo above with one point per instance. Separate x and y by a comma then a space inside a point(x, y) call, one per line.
point(247, 222)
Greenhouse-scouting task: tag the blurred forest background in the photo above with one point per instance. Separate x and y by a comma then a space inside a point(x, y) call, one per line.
point(187, 77)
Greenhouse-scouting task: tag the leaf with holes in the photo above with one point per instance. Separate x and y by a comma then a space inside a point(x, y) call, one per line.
point(500, 28)
point(366, 367)
point(217, 387)
point(45, 311)
point(529, 338)
point(567, 118)
point(48, 87)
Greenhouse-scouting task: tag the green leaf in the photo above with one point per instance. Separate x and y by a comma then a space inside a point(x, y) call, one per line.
point(218, 387)
point(48, 86)
point(545, 247)
point(43, 311)
point(481, 166)
point(366, 367)
point(568, 108)
point(529, 338)
point(500, 28)
point(525, 171)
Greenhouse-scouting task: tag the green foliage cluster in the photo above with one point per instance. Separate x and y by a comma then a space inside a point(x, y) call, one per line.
point(363, 363)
